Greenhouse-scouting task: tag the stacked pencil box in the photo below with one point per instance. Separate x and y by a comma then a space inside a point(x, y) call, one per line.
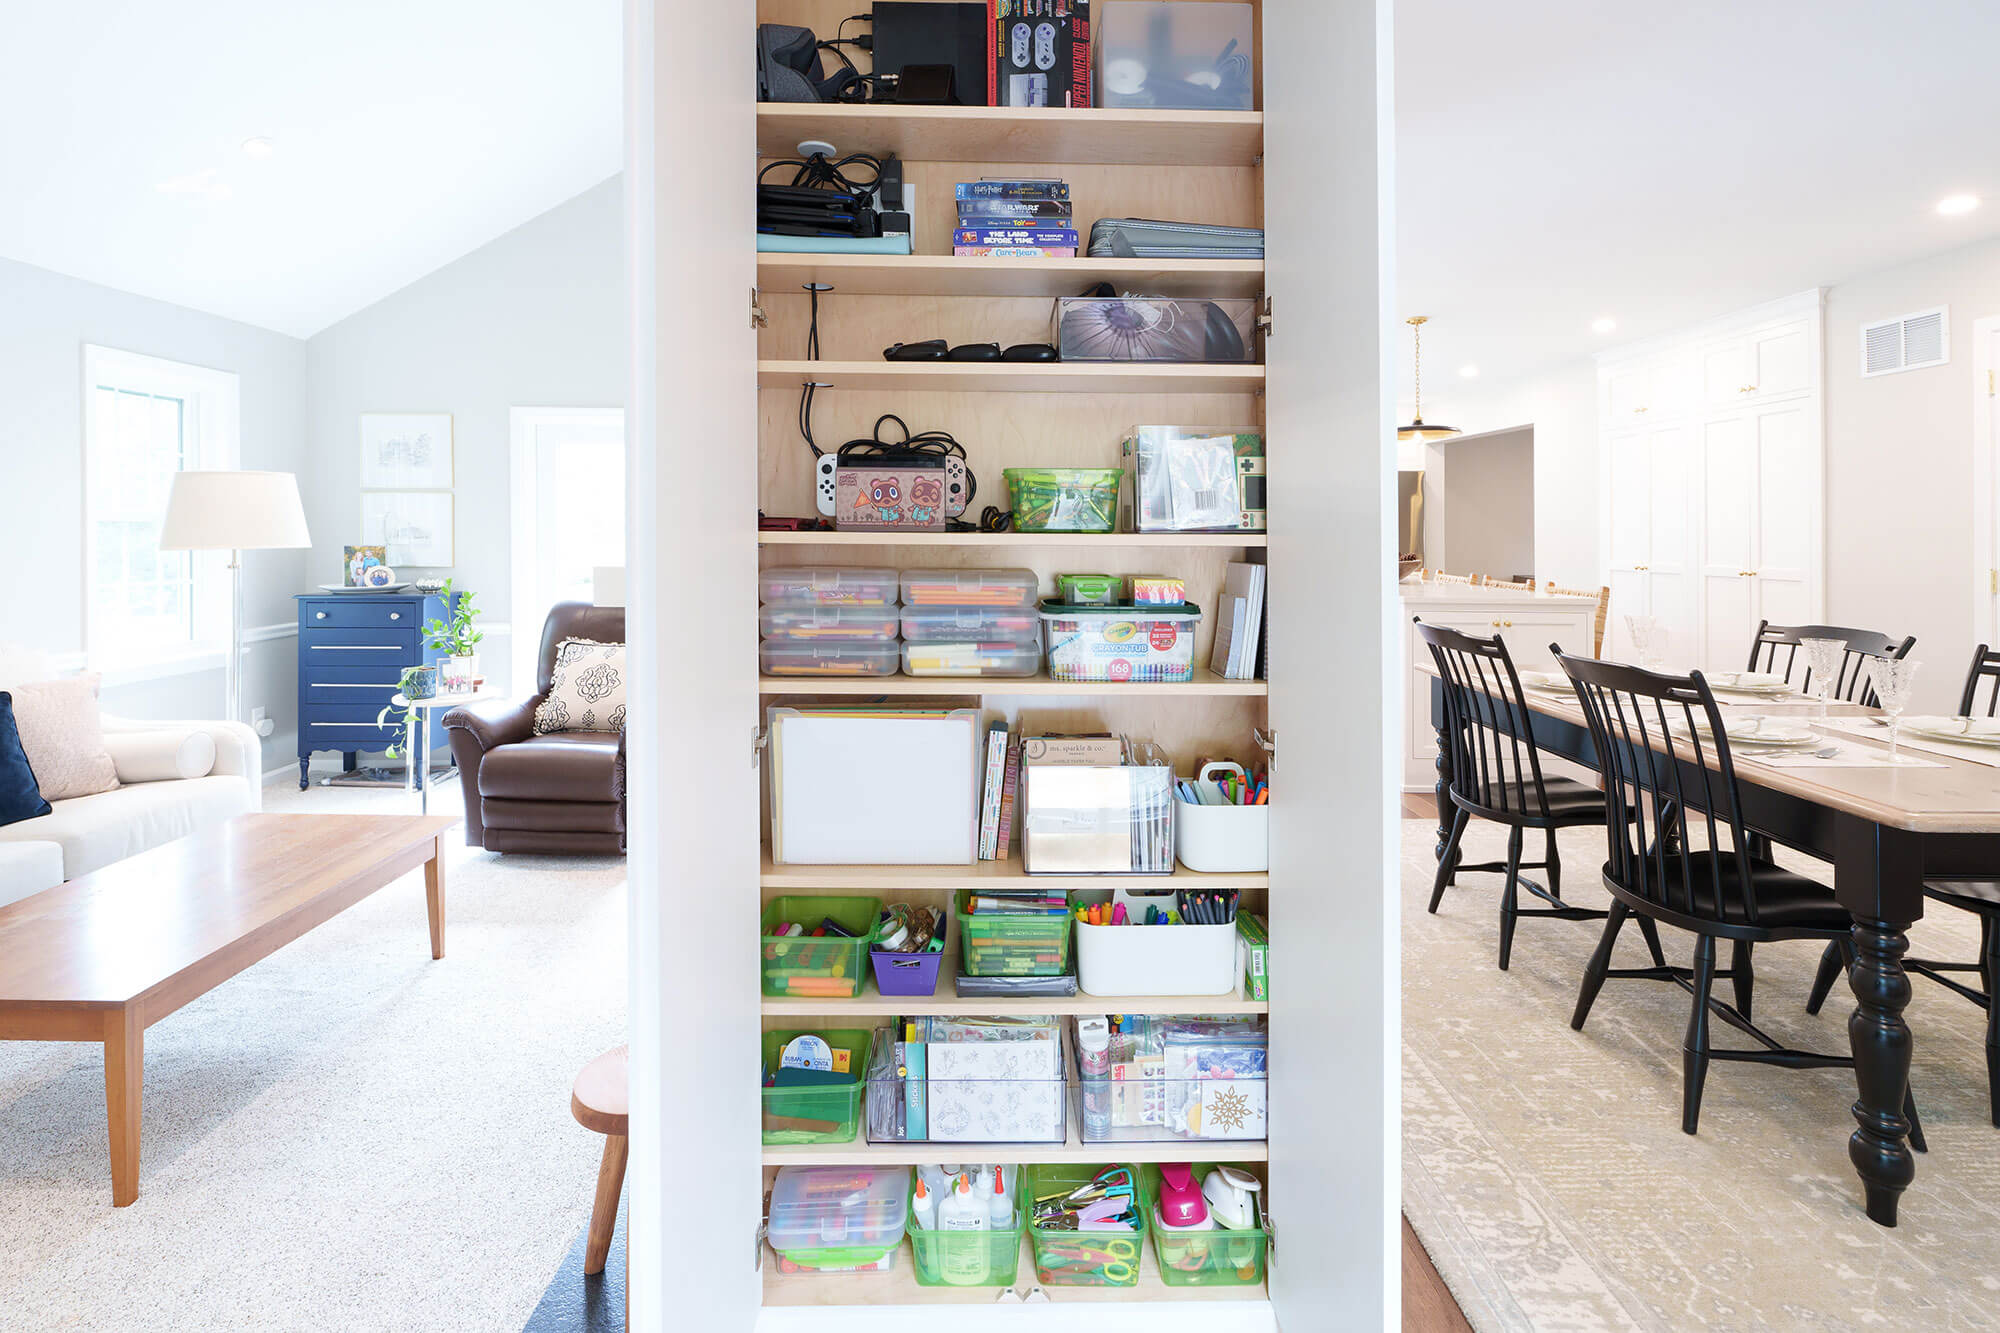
point(1021, 219)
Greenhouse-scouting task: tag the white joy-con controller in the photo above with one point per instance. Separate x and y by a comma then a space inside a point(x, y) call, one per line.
point(827, 468)
point(954, 485)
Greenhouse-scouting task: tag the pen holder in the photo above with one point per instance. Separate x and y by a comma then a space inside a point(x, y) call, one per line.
point(1181, 959)
point(1222, 839)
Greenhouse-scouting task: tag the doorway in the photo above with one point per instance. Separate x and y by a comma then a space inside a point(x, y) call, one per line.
point(568, 515)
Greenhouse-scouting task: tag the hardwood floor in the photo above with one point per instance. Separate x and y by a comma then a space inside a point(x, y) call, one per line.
point(1419, 807)
point(1427, 1303)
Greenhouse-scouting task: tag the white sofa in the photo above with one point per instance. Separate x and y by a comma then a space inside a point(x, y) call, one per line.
point(80, 835)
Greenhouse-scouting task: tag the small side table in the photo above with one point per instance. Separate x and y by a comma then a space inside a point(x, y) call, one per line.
point(418, 744)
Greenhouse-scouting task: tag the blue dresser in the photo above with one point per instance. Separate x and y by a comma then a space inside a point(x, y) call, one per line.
point(353, 648)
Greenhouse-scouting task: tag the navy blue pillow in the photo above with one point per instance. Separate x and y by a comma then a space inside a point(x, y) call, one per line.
point(20, 794)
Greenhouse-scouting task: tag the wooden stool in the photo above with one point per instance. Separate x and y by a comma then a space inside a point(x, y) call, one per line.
point(598, 1102)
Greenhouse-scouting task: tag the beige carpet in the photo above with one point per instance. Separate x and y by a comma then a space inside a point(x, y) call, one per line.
point(1547, 1175)
point(346, 1136)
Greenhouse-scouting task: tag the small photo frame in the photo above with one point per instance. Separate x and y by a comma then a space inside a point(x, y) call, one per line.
point(413, 527)
point(406, 451)
point(357, 560)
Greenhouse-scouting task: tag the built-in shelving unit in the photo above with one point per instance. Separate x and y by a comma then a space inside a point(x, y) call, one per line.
point(1020, 134)
point(1011, 376)
point(948, 275)
point(860, 1152)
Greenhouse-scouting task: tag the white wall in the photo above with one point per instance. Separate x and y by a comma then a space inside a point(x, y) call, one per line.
point(534, 318)
point(1561, 405)
point(45, 320)
point(1899, 448)
point(1479, 504)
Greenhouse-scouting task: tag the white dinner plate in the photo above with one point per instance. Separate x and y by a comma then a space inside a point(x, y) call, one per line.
point(1964, 730)
point(1546, 680)
point(1749, 682)
point(1764, 733)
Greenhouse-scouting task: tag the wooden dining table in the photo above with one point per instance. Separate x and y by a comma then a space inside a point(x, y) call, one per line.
point(1884, 830)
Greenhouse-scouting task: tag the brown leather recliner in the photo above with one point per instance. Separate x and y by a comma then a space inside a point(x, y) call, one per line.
point(562, 793)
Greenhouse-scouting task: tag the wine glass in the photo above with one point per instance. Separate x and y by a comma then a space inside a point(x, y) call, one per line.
point(1648, 639)
point(1823, 657)
point(1891, 680)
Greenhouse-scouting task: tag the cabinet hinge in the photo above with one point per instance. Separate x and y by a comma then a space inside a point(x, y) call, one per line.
point(757, 319)
point(1267, 741)
point(1993, 580)
point(1989, 384)
point(757, 1260)
point(1264, 317)
point(759, 738)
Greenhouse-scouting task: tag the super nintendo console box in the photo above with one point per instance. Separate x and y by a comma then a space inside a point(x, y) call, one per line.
point(1040, 53)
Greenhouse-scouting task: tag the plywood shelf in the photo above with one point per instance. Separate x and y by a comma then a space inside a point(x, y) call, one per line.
point(860, 1152)
point(985, 875)
point(1014, 377)
point(1018, 134)
point(965, 275)
point(900, 1287)
point(1160, 541)
point(947, 1001)
point(1204, 683)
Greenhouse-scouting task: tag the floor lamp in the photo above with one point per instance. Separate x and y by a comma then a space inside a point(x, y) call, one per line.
point(234, 512)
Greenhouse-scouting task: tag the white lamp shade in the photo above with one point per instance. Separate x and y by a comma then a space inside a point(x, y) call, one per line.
point(233, 511)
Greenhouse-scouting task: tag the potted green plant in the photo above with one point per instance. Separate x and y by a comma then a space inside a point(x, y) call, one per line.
point(456, 637)
point(418, 682)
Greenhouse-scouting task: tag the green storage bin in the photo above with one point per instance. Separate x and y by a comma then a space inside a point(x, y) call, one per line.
point(997, 945)
point(824, 968)
point(970, 1258)
point(1064, 499)
point(1218, 1258)
point(834, 1111)
point(1084, 1258)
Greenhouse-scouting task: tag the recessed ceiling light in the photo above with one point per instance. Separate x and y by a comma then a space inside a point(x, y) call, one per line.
point(258, 147)
point(1956, 204)
point(1603, 325)
point(1468, 372)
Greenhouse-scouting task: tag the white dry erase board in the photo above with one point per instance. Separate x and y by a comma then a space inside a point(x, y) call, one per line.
point(868, 788)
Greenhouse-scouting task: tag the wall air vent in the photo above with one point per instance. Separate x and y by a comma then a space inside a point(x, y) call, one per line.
point(1909, 343)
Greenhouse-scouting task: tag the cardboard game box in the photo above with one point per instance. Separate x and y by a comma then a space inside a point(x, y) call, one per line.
point(1040, 53)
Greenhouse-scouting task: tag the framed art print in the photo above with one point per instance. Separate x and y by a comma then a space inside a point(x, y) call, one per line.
point(404, 451)
point(413, 526)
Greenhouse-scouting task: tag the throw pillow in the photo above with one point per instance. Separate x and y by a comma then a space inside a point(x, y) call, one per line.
point(63, 737)
point(586, 689)
point(20, 797)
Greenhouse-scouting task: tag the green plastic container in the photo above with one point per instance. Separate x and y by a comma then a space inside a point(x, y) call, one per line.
point(969, 1258)
point(1084, 1258)
point(997, 945)
point(824, 968)
point(828, 1114)
point(1064, 499)
point(1217, 1258)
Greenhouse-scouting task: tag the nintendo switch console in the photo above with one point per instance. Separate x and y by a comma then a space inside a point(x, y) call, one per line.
point(905, 494)
point(828, 486)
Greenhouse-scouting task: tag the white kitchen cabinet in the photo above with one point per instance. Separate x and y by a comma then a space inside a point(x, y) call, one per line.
point(1712, 521)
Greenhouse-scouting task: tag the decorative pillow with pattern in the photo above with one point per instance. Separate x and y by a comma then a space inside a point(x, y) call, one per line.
point(63, 736)
point(586, 689)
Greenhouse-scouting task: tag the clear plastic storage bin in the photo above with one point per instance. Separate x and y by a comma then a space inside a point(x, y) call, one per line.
point(835, 624)
point(1064, 499)
point(1217, 1257)
point(826, 966)
point(1152, 644)
point(1168, 1078)
point(998, 944)
point(784, 657)
point(993, 1092)
point(817, 1114)
point(1153, 53)
point(827, 585)
point(1069, 1258)
point(972, 624)
point(971, 659)
point(987, 589)
point(838, 1219)
point(990, 1258)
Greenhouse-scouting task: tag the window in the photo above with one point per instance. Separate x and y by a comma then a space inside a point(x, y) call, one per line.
point(144, 420)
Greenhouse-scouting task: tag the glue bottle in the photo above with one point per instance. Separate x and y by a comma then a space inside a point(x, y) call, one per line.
point(923, 1206)
point(1000, 1209)
point(965, 1258)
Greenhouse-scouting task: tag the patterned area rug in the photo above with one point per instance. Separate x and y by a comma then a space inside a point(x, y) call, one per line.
point(1547, 1175)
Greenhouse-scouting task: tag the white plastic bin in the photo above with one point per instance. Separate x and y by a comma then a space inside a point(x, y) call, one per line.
point(1222, 839)
point(1147, 960)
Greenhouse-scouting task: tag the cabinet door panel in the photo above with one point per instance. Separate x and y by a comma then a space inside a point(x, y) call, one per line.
point(1669, 460)
point(1728, 621)
point(1786, 496)
point(1631, 595)
point(1781, 360)
point(1729, 495)
point(1626, 392)
point(1630, 484)
point(1725, 371)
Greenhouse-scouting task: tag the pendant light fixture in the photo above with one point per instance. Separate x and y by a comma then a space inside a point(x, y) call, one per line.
point(1417, 429)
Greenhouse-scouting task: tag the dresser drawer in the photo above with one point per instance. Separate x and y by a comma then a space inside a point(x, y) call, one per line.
point(321, 683)
point(358, 646)
point(348, 734)
point(357, 611)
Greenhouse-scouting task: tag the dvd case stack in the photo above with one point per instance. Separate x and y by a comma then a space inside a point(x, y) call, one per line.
point(1019, 219)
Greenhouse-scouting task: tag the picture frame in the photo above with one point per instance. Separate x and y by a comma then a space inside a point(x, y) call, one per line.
point(406, 451)
point(356, 559)
point(413, 527)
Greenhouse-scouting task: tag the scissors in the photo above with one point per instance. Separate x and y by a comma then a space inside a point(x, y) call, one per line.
point(1113, 1260)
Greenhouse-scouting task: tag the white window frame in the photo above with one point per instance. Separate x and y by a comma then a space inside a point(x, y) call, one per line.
point(213, 400)
point(523, 422)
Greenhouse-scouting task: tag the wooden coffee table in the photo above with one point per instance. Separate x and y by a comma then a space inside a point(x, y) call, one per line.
point(107, 955)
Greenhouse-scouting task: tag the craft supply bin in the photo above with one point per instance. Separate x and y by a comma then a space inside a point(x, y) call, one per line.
point(1200, 1087)
point(950, 1107)
point(829, 1114)
point(826, 966)
point(838, 1219)
point(970, 1258)
point(1152, 644)
point(1222, 839)
point(973, 624)
point(994, 944)
point(990, 589)
point(1084, 1258)
point(1064, 499)
point(833, 624)
point(971, 659)
point(1136, 959)
point(784, 657)
point(826, 585)
point(906, 973)
point(1215, 1258)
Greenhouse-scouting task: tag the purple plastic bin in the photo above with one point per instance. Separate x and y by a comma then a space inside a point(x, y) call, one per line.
point(905, 973)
